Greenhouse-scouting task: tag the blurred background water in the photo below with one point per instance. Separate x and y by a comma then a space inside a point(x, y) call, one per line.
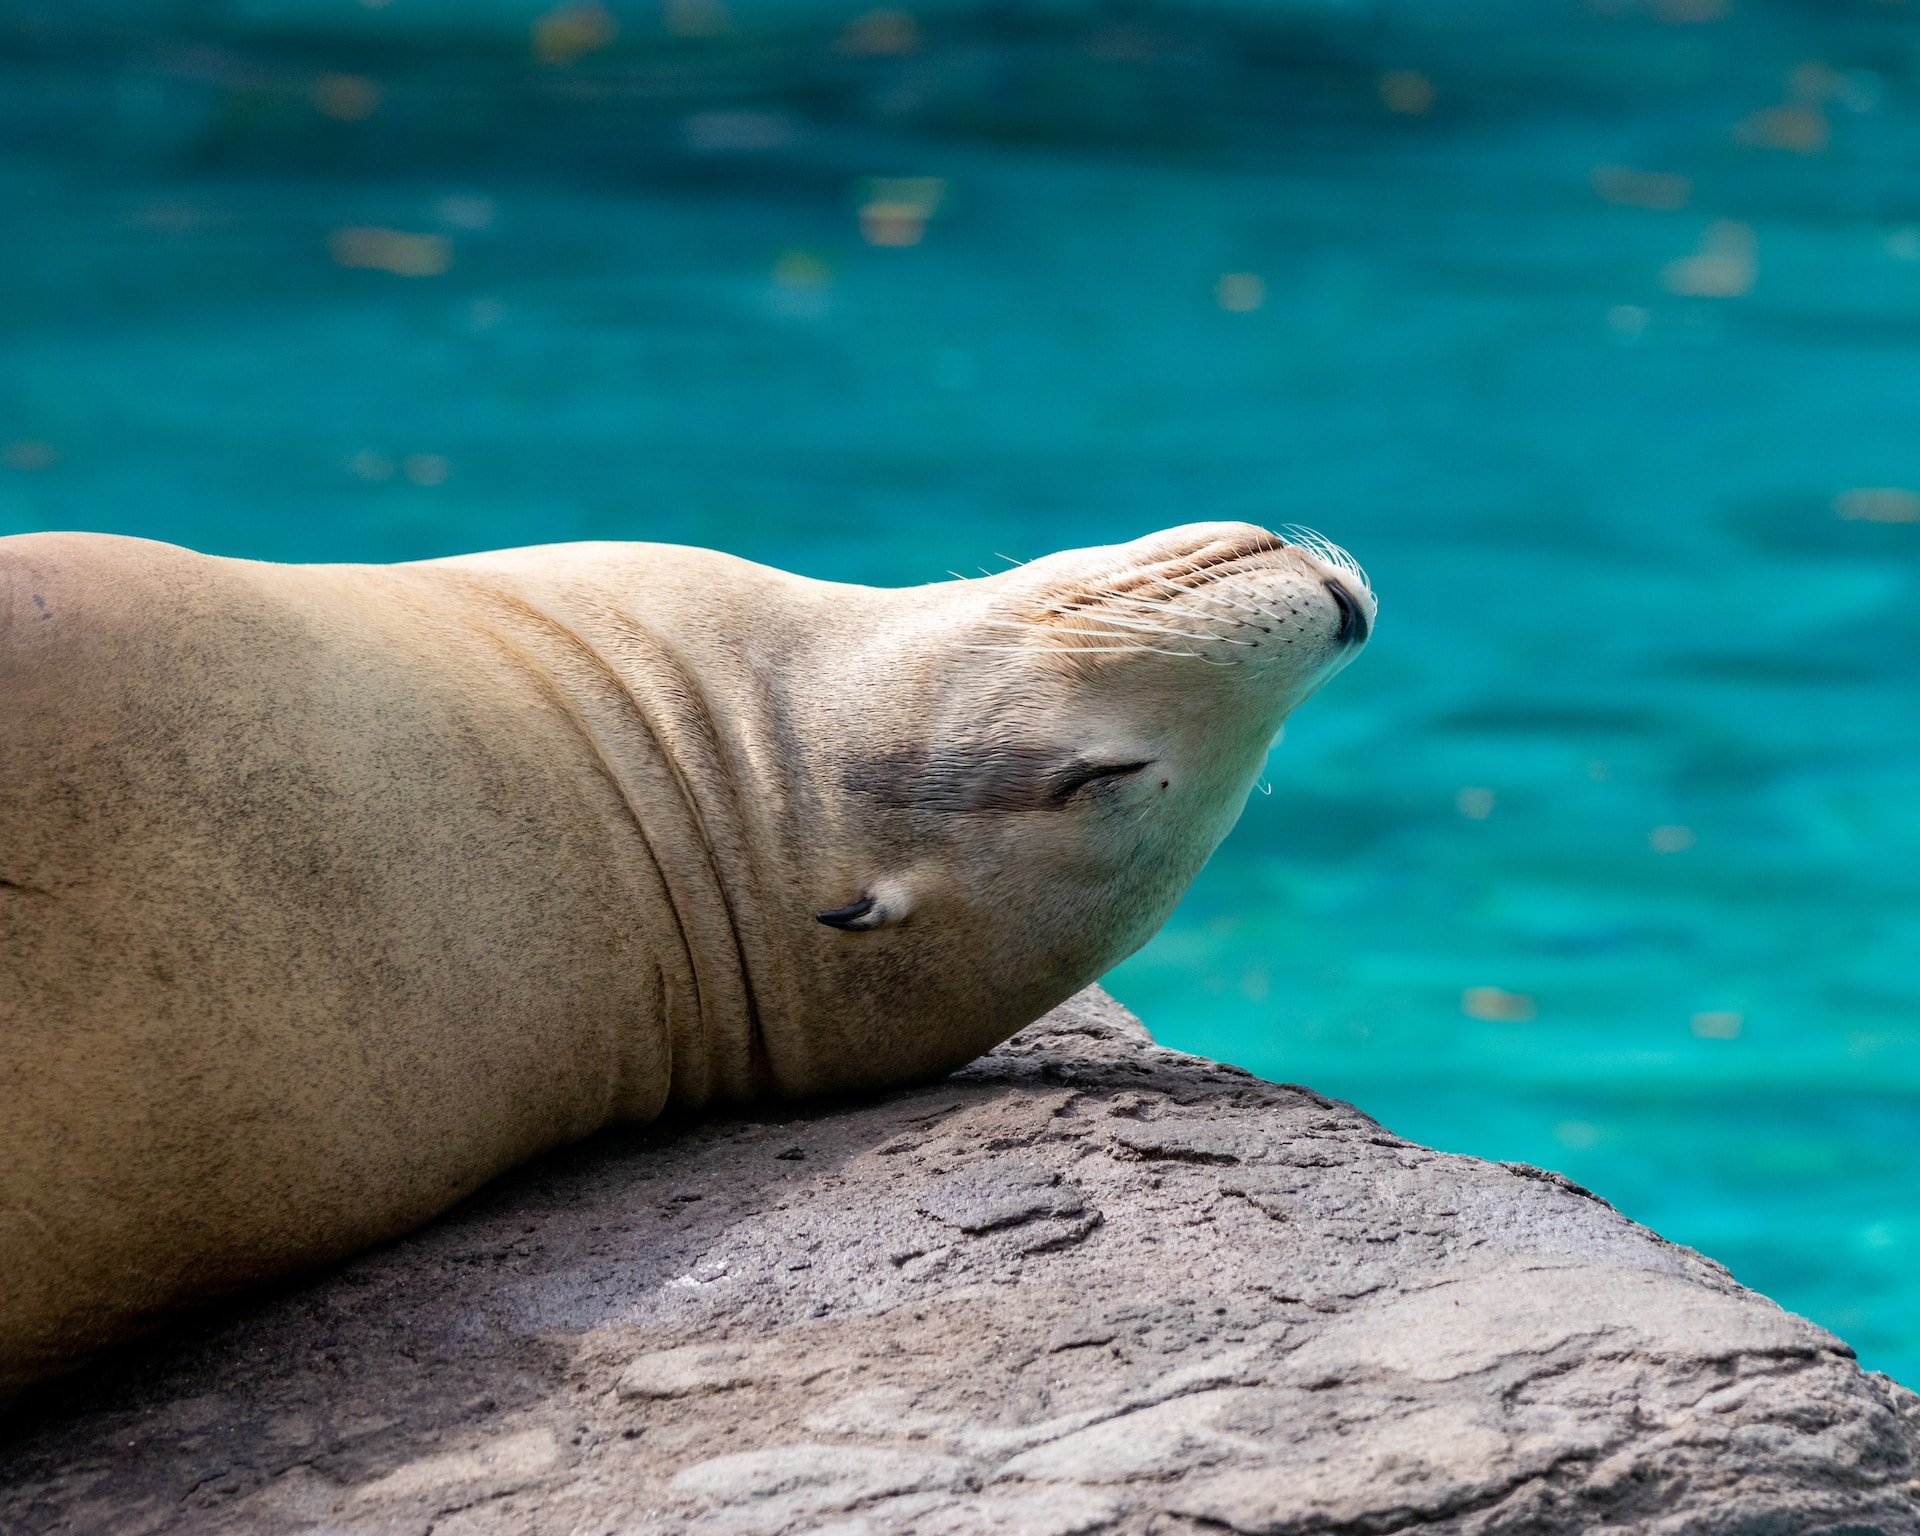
point(1594, 331)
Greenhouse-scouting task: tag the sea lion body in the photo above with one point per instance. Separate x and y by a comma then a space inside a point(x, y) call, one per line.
point(328, 893)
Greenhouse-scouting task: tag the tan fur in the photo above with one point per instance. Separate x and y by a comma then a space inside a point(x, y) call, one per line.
point(328, 893)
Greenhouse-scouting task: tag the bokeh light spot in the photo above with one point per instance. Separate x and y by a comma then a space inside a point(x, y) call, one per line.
point(1796, 126)
point(1577, 1134)
point(1642, 189)
point(368, 465)
point(1878, 504)
point(348, 98)
point(802, 269)
point(28, 453)
point(1717, 1024)
point(1724, 267)
point(1475, 802)
point(1672, 838)
point(1406, 91)
point(426, 468)
point(564, 33)
point(1628, 322)
point(879, 32)
point(1496, 1005)
point(894, 209)
point(390, 250)
point(1240, 292)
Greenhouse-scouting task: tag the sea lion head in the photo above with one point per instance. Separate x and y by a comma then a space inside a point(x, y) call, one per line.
point(1042, 761)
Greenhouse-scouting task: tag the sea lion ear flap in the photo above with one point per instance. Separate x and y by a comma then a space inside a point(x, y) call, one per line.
point(881, 907)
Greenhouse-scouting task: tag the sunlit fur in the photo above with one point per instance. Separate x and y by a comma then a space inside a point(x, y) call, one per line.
point(329, 892)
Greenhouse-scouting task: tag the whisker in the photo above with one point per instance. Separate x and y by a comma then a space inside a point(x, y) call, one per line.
point(1146, 627)
point(1142, 605)
point(1088, 650)
point(1324, 550)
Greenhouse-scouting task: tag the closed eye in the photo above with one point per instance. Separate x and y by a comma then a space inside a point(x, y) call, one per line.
point(1086, 777)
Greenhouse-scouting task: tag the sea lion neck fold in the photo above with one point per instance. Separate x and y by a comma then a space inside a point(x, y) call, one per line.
point(646, 725)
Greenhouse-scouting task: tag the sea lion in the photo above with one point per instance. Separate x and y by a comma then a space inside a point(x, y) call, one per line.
point(327, 893)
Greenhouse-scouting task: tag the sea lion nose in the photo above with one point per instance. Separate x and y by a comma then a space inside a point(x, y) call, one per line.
point(1353, 618)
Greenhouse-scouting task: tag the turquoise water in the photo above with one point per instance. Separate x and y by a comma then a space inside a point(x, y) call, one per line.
point(1632, 768)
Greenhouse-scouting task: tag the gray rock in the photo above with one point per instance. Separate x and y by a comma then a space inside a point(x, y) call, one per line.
point(1001, 1192)
point(1086, 1285)
point(684, 1371)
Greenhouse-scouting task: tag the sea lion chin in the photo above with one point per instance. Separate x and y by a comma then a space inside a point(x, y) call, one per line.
point(327, 893)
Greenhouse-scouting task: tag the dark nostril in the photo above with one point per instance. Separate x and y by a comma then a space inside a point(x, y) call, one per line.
point(1353, 618)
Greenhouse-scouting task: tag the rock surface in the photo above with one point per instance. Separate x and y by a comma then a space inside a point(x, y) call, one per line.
point(1085, 1285)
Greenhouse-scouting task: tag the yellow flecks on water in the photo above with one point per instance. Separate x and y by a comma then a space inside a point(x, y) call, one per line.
point(1800, 122)
point(1818, 83)
point(1795, 126)
point(696, 18)
point(1670, 839)
point(1406, 91)
point(1642, 189)
point(1496, 1005)
point(1724, 266)
point(390, 250)
point(1475, 802)
point(564, 33)
point(420, 468)
point(802, 285)
point(884, 31)
point(31, 454)
point(801, 269)
point(1240, 292)
point(1628, 322)
point(1717, 1024)
point(1577, 1134)
point(1878, 504)
point(894, 209)
point(349, 98)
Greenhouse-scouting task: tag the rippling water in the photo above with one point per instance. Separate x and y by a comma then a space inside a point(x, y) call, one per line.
point(1595, 334)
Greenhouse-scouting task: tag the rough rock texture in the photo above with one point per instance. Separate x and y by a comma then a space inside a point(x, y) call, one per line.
point(1085, 1285)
